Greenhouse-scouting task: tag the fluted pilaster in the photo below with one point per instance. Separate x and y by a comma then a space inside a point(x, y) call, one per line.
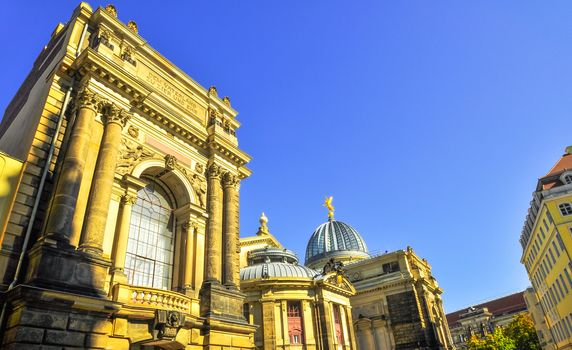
point(115, 119)
point(190, 229)
point(59, 224)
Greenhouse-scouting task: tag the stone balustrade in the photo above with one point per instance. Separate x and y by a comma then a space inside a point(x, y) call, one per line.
point(152, 298)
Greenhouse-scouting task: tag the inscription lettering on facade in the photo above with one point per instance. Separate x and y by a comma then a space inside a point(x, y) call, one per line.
point(176, 95)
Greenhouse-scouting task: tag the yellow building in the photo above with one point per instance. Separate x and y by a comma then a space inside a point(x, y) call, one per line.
point(295, 307)
point(123, 231)
point(546, 240)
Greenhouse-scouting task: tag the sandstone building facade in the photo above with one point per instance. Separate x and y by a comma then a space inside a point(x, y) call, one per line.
point(295, 307)
point(397, 304)
point(482, 319)
point(546, 241)
point(123, 231)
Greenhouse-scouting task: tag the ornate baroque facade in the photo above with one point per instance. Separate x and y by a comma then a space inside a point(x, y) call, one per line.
point(397, 304)
point(294, 306)
point(123, 233)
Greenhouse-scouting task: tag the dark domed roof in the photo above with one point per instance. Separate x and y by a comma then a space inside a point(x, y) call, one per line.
point(335, 239)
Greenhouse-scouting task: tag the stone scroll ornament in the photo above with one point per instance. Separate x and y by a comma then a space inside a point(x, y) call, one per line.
point(130, 154)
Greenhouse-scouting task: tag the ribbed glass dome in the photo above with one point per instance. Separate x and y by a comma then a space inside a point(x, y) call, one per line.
point(334, 239)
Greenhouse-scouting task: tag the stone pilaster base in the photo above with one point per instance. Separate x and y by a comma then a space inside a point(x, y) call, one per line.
point(67, 269)
point(225, 326)
point(219, 302)
point(39, 318)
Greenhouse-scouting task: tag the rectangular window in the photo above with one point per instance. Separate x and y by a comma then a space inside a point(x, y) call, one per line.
point(552, 297)
point(542, 233)
point(565, 209)
point(560, 242)
point(556, 249)
point(545, 225)
point(338, 325)
point(295, 325)
point(551, 255)
point(390, 267)
point(563, 284)
point(568, 277)
point(559, 289)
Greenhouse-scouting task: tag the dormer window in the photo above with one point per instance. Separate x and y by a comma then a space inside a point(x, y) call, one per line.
point(566, 178)
point(565, 208)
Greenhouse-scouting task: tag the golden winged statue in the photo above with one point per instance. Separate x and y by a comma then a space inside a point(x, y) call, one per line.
point(328, 204)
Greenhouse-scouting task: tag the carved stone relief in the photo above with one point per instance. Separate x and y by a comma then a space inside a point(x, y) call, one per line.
point(130, 154)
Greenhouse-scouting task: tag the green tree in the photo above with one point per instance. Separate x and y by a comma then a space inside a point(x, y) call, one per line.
point(495, 341)
point(522, 331)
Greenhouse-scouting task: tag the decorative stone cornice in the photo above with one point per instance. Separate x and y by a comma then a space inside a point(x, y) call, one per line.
point(88, 99)
point(234, 155)
point(93, 63)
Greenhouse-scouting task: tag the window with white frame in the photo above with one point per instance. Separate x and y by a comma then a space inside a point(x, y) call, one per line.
point(150, 247)
point(565, 208)
point(566, 178)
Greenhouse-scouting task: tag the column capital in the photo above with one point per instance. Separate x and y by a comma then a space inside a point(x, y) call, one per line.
point(89, 99)
point(190, 225)
point(114, 114)
point(128, 199)
point(214, 171)
point(230, 180)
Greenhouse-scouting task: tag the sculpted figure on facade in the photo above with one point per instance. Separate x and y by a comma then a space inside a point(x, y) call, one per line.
point(170, 162)
point(199, 185)
point(130, 154)
point(112, 10)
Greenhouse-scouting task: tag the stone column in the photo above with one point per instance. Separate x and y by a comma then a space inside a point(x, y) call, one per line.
point(328, 331)
point(230, 230)
point(268, 325)
point(188, 280)
point(351, 330)
point(59, 224)
point(100, 194)
point(122, 235)
point(214, 228)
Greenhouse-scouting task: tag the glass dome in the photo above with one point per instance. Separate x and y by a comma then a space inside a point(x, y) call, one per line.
point(335, 239)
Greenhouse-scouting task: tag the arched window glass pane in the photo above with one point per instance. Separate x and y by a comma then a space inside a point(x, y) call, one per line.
point(149, 259)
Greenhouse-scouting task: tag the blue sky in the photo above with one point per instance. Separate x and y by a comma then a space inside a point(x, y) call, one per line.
point(428, 121)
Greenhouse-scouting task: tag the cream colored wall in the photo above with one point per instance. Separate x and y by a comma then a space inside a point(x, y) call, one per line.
point(10, 174)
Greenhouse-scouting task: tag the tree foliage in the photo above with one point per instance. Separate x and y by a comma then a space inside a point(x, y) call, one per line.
point(522, 331)
point(495, 341)
point(517, 335)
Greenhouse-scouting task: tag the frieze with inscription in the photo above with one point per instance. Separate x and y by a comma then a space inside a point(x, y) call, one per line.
point(177, 96)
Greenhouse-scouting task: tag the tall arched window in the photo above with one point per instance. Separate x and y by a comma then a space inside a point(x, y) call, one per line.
point(149, 259)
